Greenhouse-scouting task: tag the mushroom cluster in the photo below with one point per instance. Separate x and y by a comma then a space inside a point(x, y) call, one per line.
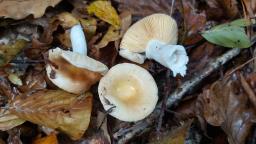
point(155, 37)
point(74, 71)
point(127, 91)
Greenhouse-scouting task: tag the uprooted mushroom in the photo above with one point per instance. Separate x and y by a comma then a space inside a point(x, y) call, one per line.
point(74, 71)
point(156, 36)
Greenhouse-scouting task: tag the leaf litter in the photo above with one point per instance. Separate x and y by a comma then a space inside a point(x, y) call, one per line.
point(29, 100)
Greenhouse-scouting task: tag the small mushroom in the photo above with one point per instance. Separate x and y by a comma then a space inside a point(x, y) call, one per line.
point(128, 92)
point(155, 37)
point(74, 71)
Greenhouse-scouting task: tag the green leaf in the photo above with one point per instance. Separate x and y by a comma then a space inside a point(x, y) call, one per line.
point(228, 36)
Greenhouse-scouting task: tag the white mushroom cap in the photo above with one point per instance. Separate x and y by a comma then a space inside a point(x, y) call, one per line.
point(130, 90)
point(73, 72)
point(155, 37)
point(159, 27)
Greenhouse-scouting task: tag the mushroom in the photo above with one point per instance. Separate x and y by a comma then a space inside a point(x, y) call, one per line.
point(74, 71)
point(128, 92)
point(155, 37)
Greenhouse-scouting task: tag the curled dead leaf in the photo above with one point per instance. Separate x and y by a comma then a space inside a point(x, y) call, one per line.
point(104, 11)
point(67, 20)
point(18, 9)
point(56, 109)
point(8, 120)
point(89, 25)
point(225, 104)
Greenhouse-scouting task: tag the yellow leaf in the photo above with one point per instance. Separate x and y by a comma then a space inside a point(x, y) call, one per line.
point(89, 26)
point(50, 139)
point(104, 11)
point(111, 35)
point(18, 9)
point(56, 109)
point(67, 20)
point(9, 121)
point(8, 52)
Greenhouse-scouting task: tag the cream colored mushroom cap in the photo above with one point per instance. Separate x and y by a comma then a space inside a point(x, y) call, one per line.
point(160, 27)
point(73, 72)
point(129, 90)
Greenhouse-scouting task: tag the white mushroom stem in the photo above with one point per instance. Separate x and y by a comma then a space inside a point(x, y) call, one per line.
point(78, 40)
point(135, 57)
point(173, 57)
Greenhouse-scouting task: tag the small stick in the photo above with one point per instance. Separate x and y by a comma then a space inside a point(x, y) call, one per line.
point(124, 135)
point(248, 90)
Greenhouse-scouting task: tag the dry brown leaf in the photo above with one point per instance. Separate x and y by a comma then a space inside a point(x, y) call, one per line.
point(222, 8)
point(56, 109)
point(141, 8)
point(50, 139)
point(8, 120)
point(18, 9)
point(111, 35)
point(225, 104)
point(250, 7)
point(176, 135)
point(67, 20)
point(194, 22)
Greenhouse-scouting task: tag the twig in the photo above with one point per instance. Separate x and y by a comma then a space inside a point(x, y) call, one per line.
point(163, 107)
point(248, 90)
point(124, 135)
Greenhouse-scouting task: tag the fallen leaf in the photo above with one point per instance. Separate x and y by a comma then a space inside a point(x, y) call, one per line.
point(222, 8)
point(194, 22)
point(33, 81)
point(142, 8)
point(104, 11)
point(14, 136)
point(250, 7)
point(50, 139)
point(89, 25)
point(176, 135)
point(9, 51)
point(8, 120)
point(56, 109)
point(228, 36)
point(18, 9)
point(225, 104)
point(67, 20)
point(64, 39)
point(112, 35)
point(14, 78)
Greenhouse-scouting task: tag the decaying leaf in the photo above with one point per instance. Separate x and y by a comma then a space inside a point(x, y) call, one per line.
point(194, 21)
point(141, 8)
point(111, 35)
point(104, 11)
point(67, 20)
point(56, 109)
point(225, 104)
point(8, 120)
point(89, 26)
point(9, 51)
point(18, 9)
point(50, 139)
point(176, 135)
point(250, 7)
point(225, 8)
